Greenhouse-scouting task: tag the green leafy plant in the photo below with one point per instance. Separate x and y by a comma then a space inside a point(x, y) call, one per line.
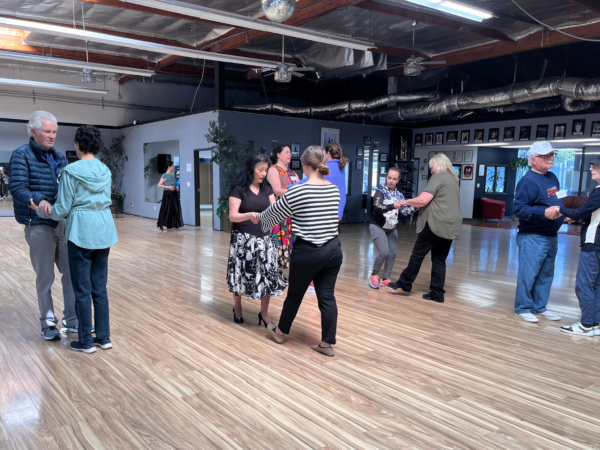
point(519, 163)
point(227, 155)
point(147, 169)
point(114, 157)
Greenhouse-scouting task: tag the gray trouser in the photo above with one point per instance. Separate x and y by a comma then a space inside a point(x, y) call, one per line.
point(47, 247)
point(386, 242)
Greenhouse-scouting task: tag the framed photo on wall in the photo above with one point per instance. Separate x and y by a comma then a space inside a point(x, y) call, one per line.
point(359, 150)
point(458, 155)
point(295, 164)
point(367, 140)
point(493, 134)
point(382, 181)
point(452, 136)
point(382, 170)
point(439, 138)
point(468, 155)
point(329, 135)
point(467, 172)
point(595, 129)
point(509, 134)
point(431, 155)
point(383, 157)
point(524, 133)
point(295, 150)
point(375, 146)
point(464, 137)
point(418, 140)
point(478, 136)
point(429, 139)
point(541, 132)
point(578, 127)
point(560, 130)
point(273, 145)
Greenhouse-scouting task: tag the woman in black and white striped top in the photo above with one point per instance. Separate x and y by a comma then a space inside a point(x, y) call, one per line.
point(317, 254)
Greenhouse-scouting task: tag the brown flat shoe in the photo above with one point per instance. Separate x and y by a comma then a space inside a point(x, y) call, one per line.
point(327, 351)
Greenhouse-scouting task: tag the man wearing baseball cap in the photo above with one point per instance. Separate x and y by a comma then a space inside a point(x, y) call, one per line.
point(536, 197)
point(587, 283)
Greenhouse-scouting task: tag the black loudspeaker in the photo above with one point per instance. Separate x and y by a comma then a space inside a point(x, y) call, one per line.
point(71, 156)
point(162, 163)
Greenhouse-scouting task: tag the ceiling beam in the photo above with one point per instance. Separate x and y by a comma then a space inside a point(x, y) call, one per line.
point(300, 16)
point(147, 10)
point(434, 20)
point(594, 5)
point(542, 39)
point(13, 43)
point(397, 51)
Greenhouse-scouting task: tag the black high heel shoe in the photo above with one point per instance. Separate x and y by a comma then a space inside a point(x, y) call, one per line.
point(235, 319)
point(268, 326)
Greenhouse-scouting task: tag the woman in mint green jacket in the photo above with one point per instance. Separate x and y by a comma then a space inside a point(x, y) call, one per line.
point(84, 199)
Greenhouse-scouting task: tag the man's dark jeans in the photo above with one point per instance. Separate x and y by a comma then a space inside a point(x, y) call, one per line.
point(89, 274)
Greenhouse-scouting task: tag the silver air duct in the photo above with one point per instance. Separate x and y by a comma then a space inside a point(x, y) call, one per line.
point(343, 107)
point(577, 95)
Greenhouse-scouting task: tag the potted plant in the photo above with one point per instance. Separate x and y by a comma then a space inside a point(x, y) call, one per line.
point(114, 157)
point(229, 158)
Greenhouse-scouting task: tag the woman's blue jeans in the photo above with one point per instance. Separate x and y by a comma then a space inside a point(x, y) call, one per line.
point(537, 255)
point(89, 274)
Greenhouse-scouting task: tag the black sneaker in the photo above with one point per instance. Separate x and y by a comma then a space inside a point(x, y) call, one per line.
point(104, 344)
point(396, 285)
point(51, 334)
point(85, 348)
point(428, 297)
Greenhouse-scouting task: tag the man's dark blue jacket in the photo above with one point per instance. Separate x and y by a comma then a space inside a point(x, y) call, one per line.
point(31, 178)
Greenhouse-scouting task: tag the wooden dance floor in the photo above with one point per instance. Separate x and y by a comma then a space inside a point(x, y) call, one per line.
point(408, 373)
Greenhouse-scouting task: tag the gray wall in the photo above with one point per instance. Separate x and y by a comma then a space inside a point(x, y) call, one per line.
point(263, 129)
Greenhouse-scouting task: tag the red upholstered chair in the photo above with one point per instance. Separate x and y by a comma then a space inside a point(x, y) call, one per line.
point(493, 209)
point(575, 202)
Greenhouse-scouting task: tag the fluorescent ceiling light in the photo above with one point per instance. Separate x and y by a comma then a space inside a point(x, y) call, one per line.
point(488, 144)
point(61, 87)
point(72, 63)
point(92, 36)
point(468, 9)
point(238, 20)
point(456, 8)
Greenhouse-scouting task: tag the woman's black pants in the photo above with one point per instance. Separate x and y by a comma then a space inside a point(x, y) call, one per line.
point(439, 248)
point(320, 265)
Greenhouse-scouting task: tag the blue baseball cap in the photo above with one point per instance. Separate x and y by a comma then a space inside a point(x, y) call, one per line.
point(540, 148)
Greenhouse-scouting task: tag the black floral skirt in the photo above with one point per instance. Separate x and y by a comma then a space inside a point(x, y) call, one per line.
point(253, 267)
point(170, 211)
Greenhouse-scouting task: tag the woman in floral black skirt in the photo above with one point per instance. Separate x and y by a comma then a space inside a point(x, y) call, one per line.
point(253, 269)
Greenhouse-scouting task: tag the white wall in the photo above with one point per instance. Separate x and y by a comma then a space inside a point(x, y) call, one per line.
point(152, 193)
point(189, 131)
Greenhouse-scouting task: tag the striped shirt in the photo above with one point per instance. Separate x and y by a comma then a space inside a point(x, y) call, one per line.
point(313, 209)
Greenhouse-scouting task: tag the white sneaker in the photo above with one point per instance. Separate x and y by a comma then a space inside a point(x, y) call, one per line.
point(578, 329)
point(597, 330)
point(550, 315)
point(528, 317)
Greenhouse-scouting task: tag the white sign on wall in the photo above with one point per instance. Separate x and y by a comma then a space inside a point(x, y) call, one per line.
point(188, 167)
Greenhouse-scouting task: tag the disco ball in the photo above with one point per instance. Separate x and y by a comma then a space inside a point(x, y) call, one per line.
point(278, 10)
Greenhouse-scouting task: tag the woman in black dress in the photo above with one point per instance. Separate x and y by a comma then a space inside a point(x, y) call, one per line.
point(253, 268)
point(170, 209)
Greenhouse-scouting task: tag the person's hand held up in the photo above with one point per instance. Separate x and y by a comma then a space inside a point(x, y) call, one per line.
point(45, 208)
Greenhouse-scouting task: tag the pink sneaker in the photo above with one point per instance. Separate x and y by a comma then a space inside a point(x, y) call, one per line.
point(374, 281)
point(385, 283)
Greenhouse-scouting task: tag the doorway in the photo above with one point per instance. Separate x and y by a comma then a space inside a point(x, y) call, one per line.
point(203, 183)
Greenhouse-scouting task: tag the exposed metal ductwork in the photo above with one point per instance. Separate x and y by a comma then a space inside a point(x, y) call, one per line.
point(344, 107)
point(577, 94)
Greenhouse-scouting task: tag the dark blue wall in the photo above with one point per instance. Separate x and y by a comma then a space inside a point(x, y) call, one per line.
point(262, 129)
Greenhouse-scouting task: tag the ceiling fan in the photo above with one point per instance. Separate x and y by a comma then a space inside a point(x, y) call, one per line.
point(285, 71)
point(92, 76)
point(413, 65)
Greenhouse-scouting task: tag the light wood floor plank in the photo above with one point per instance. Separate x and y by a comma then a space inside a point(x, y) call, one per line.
point(408, 373)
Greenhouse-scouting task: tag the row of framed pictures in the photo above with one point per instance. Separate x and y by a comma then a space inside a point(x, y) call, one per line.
point(541, 133)
point(456, 155)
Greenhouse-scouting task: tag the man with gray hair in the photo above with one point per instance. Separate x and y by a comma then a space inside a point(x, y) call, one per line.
point(34, 169)
point(536, 197)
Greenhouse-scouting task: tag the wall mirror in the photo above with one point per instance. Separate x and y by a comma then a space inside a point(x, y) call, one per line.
point(156, 155)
